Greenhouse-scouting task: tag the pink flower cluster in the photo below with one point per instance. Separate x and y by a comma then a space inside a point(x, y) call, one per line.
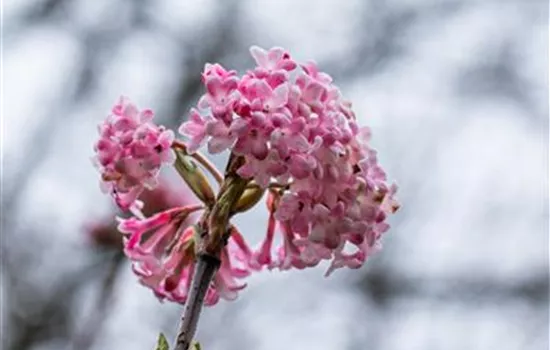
point(162, 249)
point(328, 197)
point(295, 131)
point(130, 151)
point(129, 154)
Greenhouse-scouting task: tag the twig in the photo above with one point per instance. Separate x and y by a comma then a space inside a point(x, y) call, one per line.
point(205, 269)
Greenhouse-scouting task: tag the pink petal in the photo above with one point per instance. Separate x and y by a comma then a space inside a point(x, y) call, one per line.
point(287, 208)
point(279, 97)
point(219, 144)
point(247, 170)
point(259, 55)
point(214, 86)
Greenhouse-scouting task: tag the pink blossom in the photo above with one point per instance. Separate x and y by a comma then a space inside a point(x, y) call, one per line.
point(130, 151)
point(262, 257)
point(311, 69)
point(103, 233)
point(162, 251)
point(294, 129)
point(216, 70)
point(195, 129)
point(221, 94)
point(273, 59)
point(329, 196)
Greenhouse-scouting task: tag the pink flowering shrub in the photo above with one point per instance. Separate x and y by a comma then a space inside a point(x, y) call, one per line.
point(291, 134)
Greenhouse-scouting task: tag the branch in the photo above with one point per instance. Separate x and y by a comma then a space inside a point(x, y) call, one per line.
point(205, 269)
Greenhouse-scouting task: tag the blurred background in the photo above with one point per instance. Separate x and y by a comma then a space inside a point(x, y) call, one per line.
point(455, 91)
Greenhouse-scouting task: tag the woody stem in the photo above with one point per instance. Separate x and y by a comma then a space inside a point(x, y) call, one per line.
point(205, 269)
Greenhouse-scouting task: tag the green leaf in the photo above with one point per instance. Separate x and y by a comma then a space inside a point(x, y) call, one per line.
point(195, 346)
point(162, 343)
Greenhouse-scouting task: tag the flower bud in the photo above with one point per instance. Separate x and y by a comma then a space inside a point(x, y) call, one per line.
point(250, 197)
point(194, 177)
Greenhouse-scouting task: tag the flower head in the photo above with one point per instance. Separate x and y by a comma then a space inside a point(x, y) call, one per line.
point(130, 151)
point(291, 134)
point(294, 129)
